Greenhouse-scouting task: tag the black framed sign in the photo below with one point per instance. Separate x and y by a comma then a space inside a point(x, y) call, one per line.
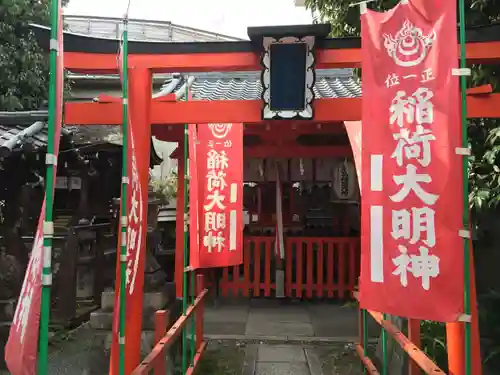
point(288, 77)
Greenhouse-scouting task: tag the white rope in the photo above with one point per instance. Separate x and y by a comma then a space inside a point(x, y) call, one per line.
point(360, 3)
point(128, 9)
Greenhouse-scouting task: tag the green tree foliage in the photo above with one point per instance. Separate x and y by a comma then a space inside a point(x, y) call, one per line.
point(23, 65)
point(345, 18)
point(484, 134)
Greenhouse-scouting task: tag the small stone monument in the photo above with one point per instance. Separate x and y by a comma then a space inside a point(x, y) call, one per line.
point(11, 280)
point(158, 294)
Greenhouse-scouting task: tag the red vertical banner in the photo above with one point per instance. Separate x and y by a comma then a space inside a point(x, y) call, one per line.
point(22, 345)
point(412, 263)
point(220, 184)
point(194, 197)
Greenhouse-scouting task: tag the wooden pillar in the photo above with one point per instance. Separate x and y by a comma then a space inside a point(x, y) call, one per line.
point(200, 286)
point(179, 224)
point(161, 324)
point(455, 348)
point(140, 89)
point(455, 336)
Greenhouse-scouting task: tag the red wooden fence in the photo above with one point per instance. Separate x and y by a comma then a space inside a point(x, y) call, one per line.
point(315, 267)
point(156, 361)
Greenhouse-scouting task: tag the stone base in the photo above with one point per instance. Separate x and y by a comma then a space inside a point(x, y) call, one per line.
point(101, 323)
point(7, 310)
point(102, 319)
point(101, 352)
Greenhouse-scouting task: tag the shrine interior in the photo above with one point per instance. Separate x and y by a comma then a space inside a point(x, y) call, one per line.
point(313, 165)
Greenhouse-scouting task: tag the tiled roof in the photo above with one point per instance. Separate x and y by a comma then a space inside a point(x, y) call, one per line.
point(330, 83)
point(12, 125)
point(29, 128)
point(33, 124)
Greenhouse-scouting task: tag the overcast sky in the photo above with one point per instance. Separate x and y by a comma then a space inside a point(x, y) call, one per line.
point(230, 17)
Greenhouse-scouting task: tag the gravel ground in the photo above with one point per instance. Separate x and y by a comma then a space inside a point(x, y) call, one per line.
point(339, 360)
point(222, 358)
point(73, 354)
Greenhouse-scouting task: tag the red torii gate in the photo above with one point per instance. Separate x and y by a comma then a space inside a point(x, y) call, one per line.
point(91, 56)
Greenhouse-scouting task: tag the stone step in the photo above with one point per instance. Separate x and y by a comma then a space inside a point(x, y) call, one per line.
point(101, 320)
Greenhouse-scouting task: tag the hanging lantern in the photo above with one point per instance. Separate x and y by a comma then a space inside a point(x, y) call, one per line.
point(261, 168)
point(344, 180)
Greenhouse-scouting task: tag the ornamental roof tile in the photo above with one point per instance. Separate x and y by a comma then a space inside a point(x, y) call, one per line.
point(330, 83)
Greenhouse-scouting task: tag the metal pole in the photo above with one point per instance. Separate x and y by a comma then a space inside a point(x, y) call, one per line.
point(465, 171)
point(124, 210)
point(186, 237)
point(385, 365)
point(49, 192)
point(365, 336)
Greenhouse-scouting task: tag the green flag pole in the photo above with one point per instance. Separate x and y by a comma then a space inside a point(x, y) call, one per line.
point(123, 229)
point(465, 171)
point(49, 193)
point(385, 363)
point(186, 237)
point(365, 336)
point(192, 281)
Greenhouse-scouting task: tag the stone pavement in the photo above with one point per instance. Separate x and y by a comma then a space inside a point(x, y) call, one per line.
point(274, 320)
point(266, 359)
point(296, 326)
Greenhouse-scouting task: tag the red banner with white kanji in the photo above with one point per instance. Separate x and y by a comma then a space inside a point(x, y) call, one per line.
point(412, 258)
point(22, 345)
point(135, 216)
point(194, 196)
point(220, 184)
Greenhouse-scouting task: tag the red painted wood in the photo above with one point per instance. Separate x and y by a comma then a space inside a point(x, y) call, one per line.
point(341, 269)
point(179, 229)
point(267, 269)
point(161, 323)
point(169, 338)
point(320, 286)
point(256, 269)
point(92, 63)
point(299, 269)
point(200, 286)
point(288, 267)
point(338, 255)
point(310, 265)
point(330, 264)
